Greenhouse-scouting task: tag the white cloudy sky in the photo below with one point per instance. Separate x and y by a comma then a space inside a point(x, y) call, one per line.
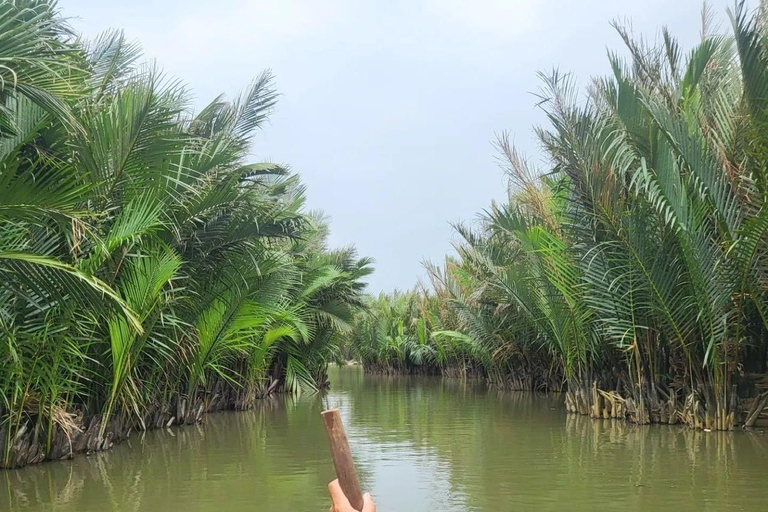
point(388, 107)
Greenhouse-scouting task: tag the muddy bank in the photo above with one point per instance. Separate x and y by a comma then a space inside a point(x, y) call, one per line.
point(640, 404)
point(32, 440)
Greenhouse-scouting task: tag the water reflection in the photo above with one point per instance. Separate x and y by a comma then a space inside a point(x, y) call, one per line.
point(422, 444)
point(256, 460)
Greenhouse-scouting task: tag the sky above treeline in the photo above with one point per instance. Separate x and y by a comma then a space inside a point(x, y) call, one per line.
point(388, 109)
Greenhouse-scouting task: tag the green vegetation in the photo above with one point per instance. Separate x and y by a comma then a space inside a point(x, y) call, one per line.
point(148, 272)
point(631, 269)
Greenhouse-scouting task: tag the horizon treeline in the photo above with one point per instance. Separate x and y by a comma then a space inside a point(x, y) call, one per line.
point(149, 271)
point(631, 269)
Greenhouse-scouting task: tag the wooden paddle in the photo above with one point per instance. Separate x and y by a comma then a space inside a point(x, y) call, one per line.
point(342, 458)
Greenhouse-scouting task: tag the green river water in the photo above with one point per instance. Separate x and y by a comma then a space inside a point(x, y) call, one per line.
point(421, 444)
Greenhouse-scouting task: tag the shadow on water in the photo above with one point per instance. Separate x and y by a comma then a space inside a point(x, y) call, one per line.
point(422, 444)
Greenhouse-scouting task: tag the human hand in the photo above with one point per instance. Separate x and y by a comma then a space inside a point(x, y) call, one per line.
point(341, 503)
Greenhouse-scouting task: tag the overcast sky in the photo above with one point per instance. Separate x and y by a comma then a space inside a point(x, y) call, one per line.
point(388, 107)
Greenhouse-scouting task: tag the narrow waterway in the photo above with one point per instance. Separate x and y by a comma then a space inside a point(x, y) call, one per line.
point(422, 444)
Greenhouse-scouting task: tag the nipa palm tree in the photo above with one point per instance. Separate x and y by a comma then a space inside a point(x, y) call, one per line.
point(149, 272)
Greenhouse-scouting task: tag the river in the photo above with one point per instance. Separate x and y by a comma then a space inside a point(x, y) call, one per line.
point(422, 445)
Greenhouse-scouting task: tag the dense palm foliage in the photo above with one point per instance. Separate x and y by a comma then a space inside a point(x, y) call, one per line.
point(632, 268)
point(148, 272)
point(407, 332)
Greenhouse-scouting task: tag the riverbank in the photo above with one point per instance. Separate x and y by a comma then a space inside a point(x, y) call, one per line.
point(73, 433)
point(654, 406)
